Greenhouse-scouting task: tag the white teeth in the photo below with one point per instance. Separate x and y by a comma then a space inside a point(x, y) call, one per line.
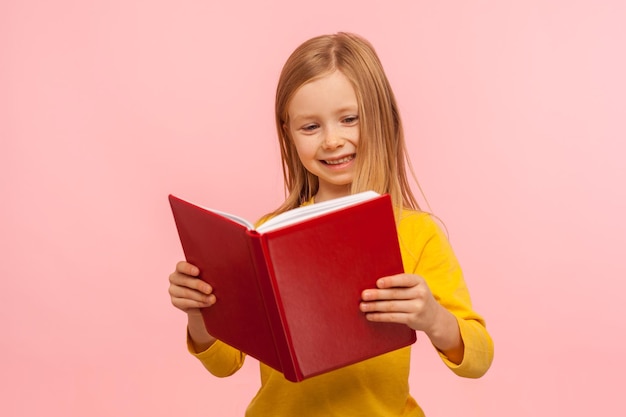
point(340, 161)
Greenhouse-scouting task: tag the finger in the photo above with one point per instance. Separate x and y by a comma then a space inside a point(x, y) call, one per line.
point(187, 304)
point(396, 293)
point(177, 291)
point(392, 306)
point(396, 317)
point(197, 284)
point(399, 280)
point(186, 268)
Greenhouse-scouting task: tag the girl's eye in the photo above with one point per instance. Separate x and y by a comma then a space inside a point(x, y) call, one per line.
point(351, 119)
point(309, 128)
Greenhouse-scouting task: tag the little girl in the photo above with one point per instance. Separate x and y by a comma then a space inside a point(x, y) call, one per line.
point(340, 133)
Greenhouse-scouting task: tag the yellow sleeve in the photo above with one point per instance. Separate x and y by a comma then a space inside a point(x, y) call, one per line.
point(219, 359)
point(427, 252)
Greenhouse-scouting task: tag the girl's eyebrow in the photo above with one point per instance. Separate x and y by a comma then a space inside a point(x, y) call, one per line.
point(345, 109)
point(305, 116)
point(348, 109)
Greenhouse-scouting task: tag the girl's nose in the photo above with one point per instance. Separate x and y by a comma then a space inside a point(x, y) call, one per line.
point(332, 140)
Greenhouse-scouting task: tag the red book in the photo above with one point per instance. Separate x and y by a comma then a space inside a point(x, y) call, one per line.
point(288, 292)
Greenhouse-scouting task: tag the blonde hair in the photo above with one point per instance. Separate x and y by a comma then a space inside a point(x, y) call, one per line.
point(382, 156)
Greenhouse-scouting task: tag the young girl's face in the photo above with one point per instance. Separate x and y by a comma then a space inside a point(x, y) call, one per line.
point(324, 125)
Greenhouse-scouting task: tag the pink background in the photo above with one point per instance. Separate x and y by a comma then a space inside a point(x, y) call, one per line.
point(515, 116)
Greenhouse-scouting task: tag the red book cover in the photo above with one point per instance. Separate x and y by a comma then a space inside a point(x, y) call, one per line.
point(289, 295)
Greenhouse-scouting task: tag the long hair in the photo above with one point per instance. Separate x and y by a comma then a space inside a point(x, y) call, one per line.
point(382, 159)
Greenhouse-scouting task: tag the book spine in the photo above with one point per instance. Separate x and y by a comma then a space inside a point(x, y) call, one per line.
point(273, 307)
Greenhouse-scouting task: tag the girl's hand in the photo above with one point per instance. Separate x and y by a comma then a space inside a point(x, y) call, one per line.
point(187, 291)
point(190, 294)
point(406, 299)
point(402, 298)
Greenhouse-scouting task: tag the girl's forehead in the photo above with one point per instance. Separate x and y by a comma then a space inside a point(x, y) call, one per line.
point(329, 90)
point(327, 75)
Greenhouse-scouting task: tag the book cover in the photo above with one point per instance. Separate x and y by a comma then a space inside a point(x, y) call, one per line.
point(289, 295)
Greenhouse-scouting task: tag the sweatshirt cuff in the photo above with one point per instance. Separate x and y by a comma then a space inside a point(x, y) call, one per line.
point(219, 359)
point(478, 350)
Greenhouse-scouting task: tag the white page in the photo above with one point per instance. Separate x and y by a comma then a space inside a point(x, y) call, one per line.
point(232, 217)
point(306, 212)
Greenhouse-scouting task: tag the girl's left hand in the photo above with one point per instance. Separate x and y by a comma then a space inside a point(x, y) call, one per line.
point(402, 298)
point(406, 299)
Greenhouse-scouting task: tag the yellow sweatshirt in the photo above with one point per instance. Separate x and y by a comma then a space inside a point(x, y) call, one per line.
point(377, 386)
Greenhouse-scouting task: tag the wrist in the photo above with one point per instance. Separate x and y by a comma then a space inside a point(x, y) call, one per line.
point(200, 339)
point(444, 332)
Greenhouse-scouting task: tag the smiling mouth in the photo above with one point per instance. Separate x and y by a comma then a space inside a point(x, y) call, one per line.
point(340, 160)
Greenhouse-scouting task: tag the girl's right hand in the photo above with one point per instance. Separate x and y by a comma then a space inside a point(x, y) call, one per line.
point(189, 294)
point(187, 291)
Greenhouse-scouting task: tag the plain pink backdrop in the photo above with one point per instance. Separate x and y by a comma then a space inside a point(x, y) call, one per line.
point(515, 115)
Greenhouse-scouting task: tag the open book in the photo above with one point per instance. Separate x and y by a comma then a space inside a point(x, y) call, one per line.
point(288, 292)
point(301, 213)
